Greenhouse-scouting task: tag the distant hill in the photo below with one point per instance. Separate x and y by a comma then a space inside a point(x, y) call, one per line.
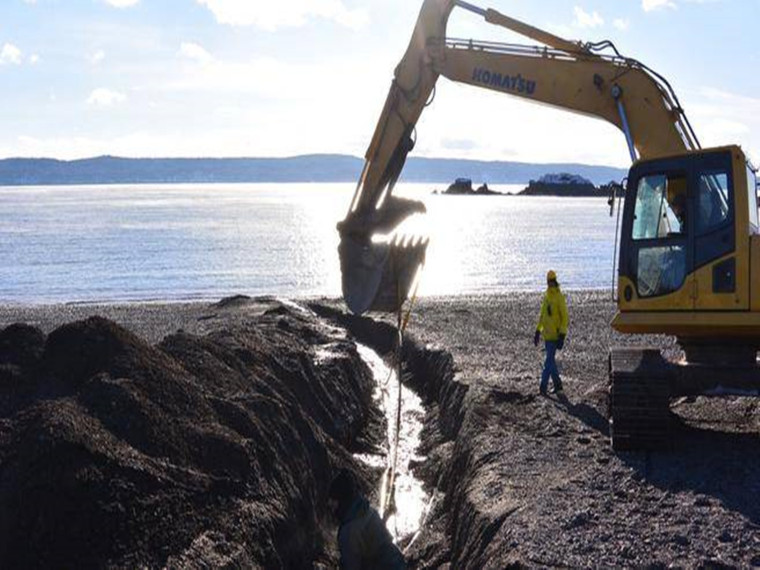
point(307, 168)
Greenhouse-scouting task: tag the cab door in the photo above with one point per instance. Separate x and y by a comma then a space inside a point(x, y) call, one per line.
point(720, 263)
point(657, 248)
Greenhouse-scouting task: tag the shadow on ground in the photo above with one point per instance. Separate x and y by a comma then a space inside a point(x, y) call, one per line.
point(586, 413)
point(714, 465)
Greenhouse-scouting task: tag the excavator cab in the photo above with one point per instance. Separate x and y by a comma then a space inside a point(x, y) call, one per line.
point(687, 234)
point(690, 268)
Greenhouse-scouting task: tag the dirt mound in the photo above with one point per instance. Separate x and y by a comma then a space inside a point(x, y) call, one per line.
point(21, 345)
point(233, 301)
point(201, 451)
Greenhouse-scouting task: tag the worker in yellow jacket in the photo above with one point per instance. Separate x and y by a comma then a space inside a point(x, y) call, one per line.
point(552, 325)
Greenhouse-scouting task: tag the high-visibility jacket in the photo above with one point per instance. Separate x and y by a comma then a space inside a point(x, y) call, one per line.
point(552, 321)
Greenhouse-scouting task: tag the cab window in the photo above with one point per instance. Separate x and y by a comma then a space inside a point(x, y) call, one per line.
point(661, 207)
point(752, 201)
point(713, 205)
point(661, 270)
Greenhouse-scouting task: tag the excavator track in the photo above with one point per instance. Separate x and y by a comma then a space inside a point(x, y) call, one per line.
point(639, 399)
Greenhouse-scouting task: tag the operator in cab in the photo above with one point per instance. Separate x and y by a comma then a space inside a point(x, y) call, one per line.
point(676, 195)
point(363, 539)
point(552, 326)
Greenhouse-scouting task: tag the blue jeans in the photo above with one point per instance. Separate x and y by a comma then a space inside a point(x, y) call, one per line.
point(550, 367)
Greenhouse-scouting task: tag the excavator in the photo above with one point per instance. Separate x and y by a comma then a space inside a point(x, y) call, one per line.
point(689, 257)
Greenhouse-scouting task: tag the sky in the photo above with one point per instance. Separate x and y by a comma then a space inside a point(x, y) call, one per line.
point(170, 78)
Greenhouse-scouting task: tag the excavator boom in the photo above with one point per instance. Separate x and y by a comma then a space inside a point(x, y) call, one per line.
point(413, 84)
point(610, 88)
point(689, 261)
point(377, 274)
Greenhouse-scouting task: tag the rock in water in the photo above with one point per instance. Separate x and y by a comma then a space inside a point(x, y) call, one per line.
point(563, 184)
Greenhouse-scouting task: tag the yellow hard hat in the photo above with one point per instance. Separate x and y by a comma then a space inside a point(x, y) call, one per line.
point(551, 275)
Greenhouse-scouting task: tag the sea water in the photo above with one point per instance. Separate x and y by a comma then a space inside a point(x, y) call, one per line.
point(206, 241)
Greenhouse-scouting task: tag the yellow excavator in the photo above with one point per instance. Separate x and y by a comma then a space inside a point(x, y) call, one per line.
point(689, 262)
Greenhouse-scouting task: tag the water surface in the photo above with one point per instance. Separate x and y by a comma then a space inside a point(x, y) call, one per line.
point(205, 241)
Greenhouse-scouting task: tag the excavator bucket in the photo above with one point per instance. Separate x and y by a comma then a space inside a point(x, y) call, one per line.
point(378, 261)
point(379, 276)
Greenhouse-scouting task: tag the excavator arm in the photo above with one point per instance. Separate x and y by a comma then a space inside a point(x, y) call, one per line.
point(607, 88)
point(378, 273)
point(412, 86)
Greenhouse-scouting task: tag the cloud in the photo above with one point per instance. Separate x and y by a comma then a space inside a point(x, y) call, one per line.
point(459, 144)
point(208, 142)
point(10, 54)
point(63, 147)
point(721, 117)
point(652, 5)
point(96, 57)
point(584, 19)
point(122, 3)
point(102, 97)
point(34, 59)
point(621, 24)
point(552, 137)
point(265, 77)
point(195, 52)
point(271, 16)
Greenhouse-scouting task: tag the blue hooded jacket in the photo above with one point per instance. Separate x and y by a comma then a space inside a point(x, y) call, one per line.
point(364, 541)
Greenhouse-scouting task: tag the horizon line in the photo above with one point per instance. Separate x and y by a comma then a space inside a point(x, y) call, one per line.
point(297, 156)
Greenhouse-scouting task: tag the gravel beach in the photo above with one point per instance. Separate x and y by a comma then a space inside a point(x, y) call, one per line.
point(536, 480)
point(522, 480)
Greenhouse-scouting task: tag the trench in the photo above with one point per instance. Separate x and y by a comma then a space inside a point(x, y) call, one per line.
point(432, 414)
point(411, 500)
point(410, 503)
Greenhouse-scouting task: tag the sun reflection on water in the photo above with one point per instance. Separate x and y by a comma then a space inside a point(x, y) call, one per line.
point(189, 241)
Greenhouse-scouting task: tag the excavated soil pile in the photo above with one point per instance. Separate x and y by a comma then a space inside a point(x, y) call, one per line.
point(206, 450)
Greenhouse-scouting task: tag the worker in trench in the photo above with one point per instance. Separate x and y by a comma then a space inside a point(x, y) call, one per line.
point(552, 326)
point(363, 539)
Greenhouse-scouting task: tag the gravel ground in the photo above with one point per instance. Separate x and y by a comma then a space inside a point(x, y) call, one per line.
point(534, 481)
point(151, 321)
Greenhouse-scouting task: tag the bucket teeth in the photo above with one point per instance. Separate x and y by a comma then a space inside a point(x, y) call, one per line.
point(380, 276)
